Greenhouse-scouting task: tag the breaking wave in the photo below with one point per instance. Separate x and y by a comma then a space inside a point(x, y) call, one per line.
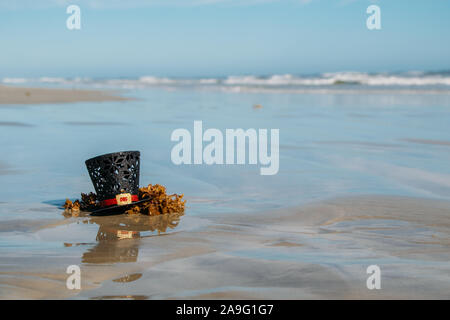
point(285, 82)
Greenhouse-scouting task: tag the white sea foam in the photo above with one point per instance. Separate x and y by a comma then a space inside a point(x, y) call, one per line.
point(273, 83)
point(14, 80)
point(155, 80)
point(51, 80)
point(342, 78)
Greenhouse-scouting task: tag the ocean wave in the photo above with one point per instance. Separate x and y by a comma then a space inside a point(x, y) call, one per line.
point(327, 79)
point(14, 80)
point(406, 79)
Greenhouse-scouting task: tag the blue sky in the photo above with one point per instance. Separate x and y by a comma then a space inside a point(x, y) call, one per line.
point(206, 38)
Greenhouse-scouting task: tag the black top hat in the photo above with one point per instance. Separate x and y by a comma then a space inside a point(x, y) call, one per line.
point(116, 180)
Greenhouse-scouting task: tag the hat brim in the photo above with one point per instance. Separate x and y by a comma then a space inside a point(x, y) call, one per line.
point(113, 210)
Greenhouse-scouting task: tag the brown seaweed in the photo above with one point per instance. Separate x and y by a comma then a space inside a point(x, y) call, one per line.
point(159, 202)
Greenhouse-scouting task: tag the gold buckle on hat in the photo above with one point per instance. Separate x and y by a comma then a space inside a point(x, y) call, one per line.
point(123, 199)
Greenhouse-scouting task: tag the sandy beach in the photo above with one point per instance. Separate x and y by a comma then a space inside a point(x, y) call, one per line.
point(318, 251)
point(20, 95)
point(363, 181)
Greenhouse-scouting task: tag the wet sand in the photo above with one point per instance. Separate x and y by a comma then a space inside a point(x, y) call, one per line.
point(427, 141)
point(17, 95)
point(231, 244)
point(7, 169)
point(320, 250)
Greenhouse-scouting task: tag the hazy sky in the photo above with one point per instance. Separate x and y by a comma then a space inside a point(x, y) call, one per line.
point(216, 38)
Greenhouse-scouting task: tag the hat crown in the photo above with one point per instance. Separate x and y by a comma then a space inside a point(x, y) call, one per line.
point(114, 173)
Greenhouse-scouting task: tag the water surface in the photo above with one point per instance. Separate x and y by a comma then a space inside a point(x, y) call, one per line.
point(391, 149)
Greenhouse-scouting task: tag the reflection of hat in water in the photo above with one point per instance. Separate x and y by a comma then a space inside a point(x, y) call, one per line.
point(116, 181)
point(134, 223)
point(118, 235)
point(112, 251)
